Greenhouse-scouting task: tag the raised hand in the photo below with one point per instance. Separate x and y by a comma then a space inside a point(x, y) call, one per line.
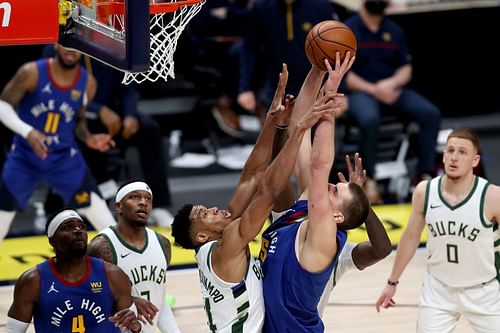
point(356, 175)
point(322, 108)
point(335, 75)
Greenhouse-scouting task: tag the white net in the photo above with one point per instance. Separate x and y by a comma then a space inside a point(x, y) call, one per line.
point(165, 30)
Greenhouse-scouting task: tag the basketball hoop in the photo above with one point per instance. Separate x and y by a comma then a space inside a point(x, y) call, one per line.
point(168, 18)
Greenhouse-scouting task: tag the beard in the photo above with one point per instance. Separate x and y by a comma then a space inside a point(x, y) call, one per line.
point(64, 64)
point(79, 252)
point(376, 7)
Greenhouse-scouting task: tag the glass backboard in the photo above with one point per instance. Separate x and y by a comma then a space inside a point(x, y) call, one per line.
point(114, 32)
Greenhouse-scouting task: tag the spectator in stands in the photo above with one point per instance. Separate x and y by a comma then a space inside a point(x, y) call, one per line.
point(217, 33)
point(277, 31)
point(116, 108)
point(379, 79)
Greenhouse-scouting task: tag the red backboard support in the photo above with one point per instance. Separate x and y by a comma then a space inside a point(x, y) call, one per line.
point(29, 22)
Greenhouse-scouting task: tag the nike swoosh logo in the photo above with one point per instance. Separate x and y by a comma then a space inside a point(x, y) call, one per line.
point(125, 255)
point(435, 206)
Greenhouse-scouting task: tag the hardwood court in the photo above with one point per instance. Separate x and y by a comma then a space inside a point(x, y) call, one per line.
point(351, 308)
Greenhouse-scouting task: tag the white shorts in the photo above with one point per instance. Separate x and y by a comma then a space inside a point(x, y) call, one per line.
point(441, 306)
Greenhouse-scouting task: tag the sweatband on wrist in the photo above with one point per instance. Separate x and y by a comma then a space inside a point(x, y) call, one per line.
point(11, 120)
point(135, 186)
point(15, 326)
point(60, 218)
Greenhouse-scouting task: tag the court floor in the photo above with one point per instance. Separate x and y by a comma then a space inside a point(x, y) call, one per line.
point(351, 308)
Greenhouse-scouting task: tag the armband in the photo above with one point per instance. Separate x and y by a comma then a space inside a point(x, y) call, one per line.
point(11, 120)
point(15, 326)
point(392, 283)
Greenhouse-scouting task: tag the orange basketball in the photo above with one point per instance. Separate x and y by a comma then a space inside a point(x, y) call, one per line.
point(325, 39)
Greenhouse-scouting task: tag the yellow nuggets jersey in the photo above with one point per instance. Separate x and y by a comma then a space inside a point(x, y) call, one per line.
point(231, 307)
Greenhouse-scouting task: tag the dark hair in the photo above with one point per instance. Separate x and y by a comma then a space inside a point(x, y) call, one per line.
point(356, 210)
point(181, 227)
point(467, 134)
point(51, 217)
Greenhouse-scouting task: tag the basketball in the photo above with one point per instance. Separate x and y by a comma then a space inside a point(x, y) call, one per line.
point(325, 39)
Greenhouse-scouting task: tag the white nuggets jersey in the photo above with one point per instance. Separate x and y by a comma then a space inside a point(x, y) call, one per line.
point(460, 241)
point(146, 268)
point(231, 307)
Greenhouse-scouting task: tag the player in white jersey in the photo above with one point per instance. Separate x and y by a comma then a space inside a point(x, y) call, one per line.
point(461, 213)
point(142, 253)
point(230, 279)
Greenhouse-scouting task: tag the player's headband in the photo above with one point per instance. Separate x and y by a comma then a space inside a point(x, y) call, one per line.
point(60, 218)
point(135, 186)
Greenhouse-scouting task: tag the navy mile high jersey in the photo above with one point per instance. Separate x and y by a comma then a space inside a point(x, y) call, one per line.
point(82, 306)
point(52, 109)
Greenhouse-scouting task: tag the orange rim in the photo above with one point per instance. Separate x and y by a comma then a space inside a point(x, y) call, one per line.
point(117, 7)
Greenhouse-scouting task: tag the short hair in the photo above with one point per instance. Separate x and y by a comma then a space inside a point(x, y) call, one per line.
point(129, 182)
point(356, 210)
point(467, 134)
point(181, 227)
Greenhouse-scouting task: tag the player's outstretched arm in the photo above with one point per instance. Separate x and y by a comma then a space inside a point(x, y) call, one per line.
point(407, 246)
point(233, 248)
point(260, 156)
point(378, 245)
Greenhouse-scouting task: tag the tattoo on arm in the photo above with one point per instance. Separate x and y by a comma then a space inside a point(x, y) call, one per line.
point(100, 247)
point(17, 87)
point(167, 248)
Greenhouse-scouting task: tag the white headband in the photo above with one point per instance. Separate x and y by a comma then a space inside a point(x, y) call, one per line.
point(135, 186)
point(60, 218)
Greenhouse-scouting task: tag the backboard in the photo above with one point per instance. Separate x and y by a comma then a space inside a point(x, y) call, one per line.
point(114, 32)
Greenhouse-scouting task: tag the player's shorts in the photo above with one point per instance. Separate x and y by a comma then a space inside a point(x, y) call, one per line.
point(64, 171)
point(441, 306)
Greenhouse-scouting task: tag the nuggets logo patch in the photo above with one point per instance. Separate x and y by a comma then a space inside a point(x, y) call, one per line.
point(82, 198)
point(75, 95)
point(387, 37)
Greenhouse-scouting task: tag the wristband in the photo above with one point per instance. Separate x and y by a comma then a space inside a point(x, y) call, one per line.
point(281, 128)
point(392, 283)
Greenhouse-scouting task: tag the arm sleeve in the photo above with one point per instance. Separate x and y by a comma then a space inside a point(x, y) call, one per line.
point(166, 320)
point(11, 120)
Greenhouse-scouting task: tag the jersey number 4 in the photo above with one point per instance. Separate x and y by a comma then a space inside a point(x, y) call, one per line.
point(78, 326)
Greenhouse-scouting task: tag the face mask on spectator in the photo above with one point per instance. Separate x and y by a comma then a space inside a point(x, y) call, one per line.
point(376, 7)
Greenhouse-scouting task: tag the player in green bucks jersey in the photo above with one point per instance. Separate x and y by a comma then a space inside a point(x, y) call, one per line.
point(461, 213)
